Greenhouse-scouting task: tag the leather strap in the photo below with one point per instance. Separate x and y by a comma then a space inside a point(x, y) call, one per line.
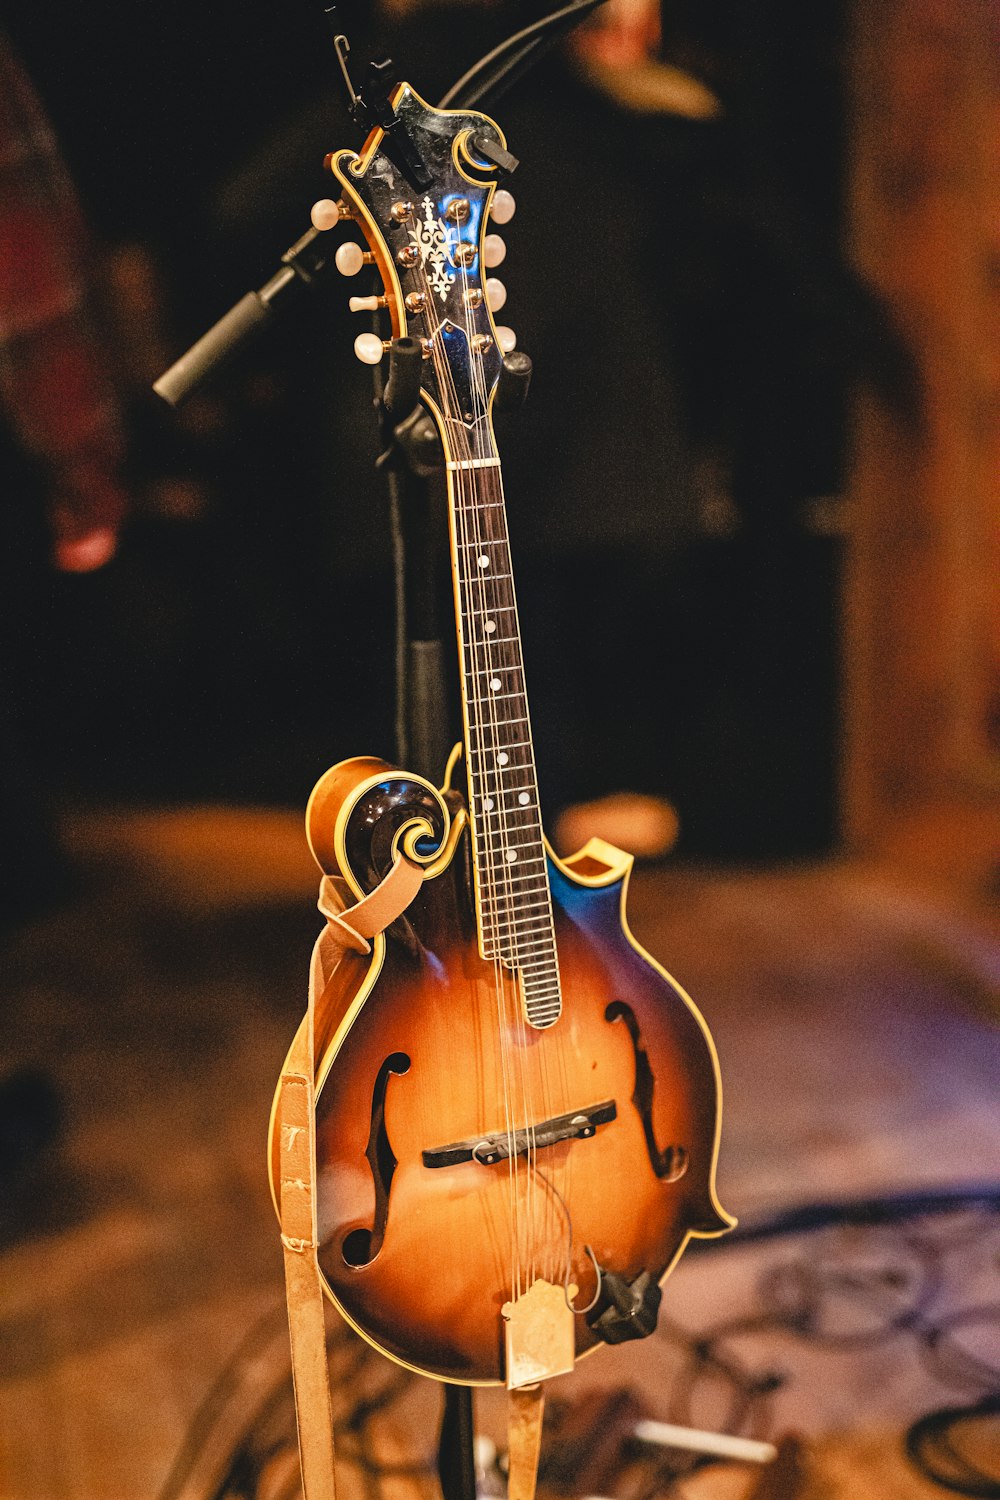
point(525, 1411)
point(296, 1124)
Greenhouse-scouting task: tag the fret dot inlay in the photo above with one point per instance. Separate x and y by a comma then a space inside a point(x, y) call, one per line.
point(503, 758)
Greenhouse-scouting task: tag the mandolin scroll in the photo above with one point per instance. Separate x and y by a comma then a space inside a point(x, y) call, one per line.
point(364, 812)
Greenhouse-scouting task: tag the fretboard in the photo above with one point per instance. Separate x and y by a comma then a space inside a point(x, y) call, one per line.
point(514, 904)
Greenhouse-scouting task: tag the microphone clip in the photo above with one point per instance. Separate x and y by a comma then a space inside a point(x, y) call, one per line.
point(370, 109)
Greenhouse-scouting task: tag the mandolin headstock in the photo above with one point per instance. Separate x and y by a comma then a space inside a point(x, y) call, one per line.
point(433, 251)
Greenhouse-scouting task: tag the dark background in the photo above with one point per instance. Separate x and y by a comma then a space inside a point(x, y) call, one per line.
point(696, 333)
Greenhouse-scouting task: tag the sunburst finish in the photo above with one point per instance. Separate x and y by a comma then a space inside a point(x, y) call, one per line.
point(455, 1242)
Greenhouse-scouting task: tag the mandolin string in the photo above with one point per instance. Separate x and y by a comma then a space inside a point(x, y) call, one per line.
point(488, 731)
point(483, 665)
point(461, 487)
point(531, 824)
point(512, 823)
point(465, 491)
point(513, 672)
point(540, 947)
point(488, 524)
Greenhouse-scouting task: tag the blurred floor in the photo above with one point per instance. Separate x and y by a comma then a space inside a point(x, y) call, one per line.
point(856, 1021)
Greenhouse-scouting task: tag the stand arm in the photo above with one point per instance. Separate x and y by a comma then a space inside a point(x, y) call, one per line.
point(301, 267)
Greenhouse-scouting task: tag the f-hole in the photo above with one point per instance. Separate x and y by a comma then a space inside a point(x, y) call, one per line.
point(671, 1162)
point(361, 1246)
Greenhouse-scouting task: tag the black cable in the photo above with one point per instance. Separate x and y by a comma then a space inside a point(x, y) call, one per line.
point(888, 1208)
point(513, 56)
point(931, 1445)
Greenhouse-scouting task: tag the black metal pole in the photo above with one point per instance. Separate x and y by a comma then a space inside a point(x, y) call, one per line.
point(456, 1450)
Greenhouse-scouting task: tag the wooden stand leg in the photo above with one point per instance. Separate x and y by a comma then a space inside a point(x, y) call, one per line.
point(524, 1440)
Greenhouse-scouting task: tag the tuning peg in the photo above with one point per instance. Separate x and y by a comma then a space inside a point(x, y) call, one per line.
point(503, 206)
point(506, 338)
point(367, 304)
point(369, 348)
point(349, 258)
point(325, 214)
point(496, 294)
point(494, 250)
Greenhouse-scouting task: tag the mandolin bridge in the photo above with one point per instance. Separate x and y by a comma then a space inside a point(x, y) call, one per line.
point(503, 1144)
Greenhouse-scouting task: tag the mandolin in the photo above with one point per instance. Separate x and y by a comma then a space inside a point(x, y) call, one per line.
point(517, 1109)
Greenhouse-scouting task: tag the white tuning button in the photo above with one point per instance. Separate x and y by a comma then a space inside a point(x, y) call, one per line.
point(349, 258)
point(503, 206)
point(368, 347)
point(366, 304)
point(324, 214)
point(496, 293)
point(494, 250)
point(506, 338)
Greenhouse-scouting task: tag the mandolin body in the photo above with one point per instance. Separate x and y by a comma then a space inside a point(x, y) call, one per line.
point(422, 1054)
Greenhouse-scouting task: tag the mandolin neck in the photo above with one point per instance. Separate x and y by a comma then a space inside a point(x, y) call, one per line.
point(513, 901)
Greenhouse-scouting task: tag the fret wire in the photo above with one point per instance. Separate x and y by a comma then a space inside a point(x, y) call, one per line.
point(514, 871)
point(534, 969)
point(531, 875)
point(528, 809)
point(508, 792)
point(495, 935)
point(541, 892)
point(521, 818)
point(512, 745)
point(490, 541)
point(524, 843)
point(528, 905)
point(523, 861)
point(538, 936)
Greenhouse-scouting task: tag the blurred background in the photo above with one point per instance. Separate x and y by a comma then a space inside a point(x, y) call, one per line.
point(712, 256)
point(753, 502)
point(785, 508)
